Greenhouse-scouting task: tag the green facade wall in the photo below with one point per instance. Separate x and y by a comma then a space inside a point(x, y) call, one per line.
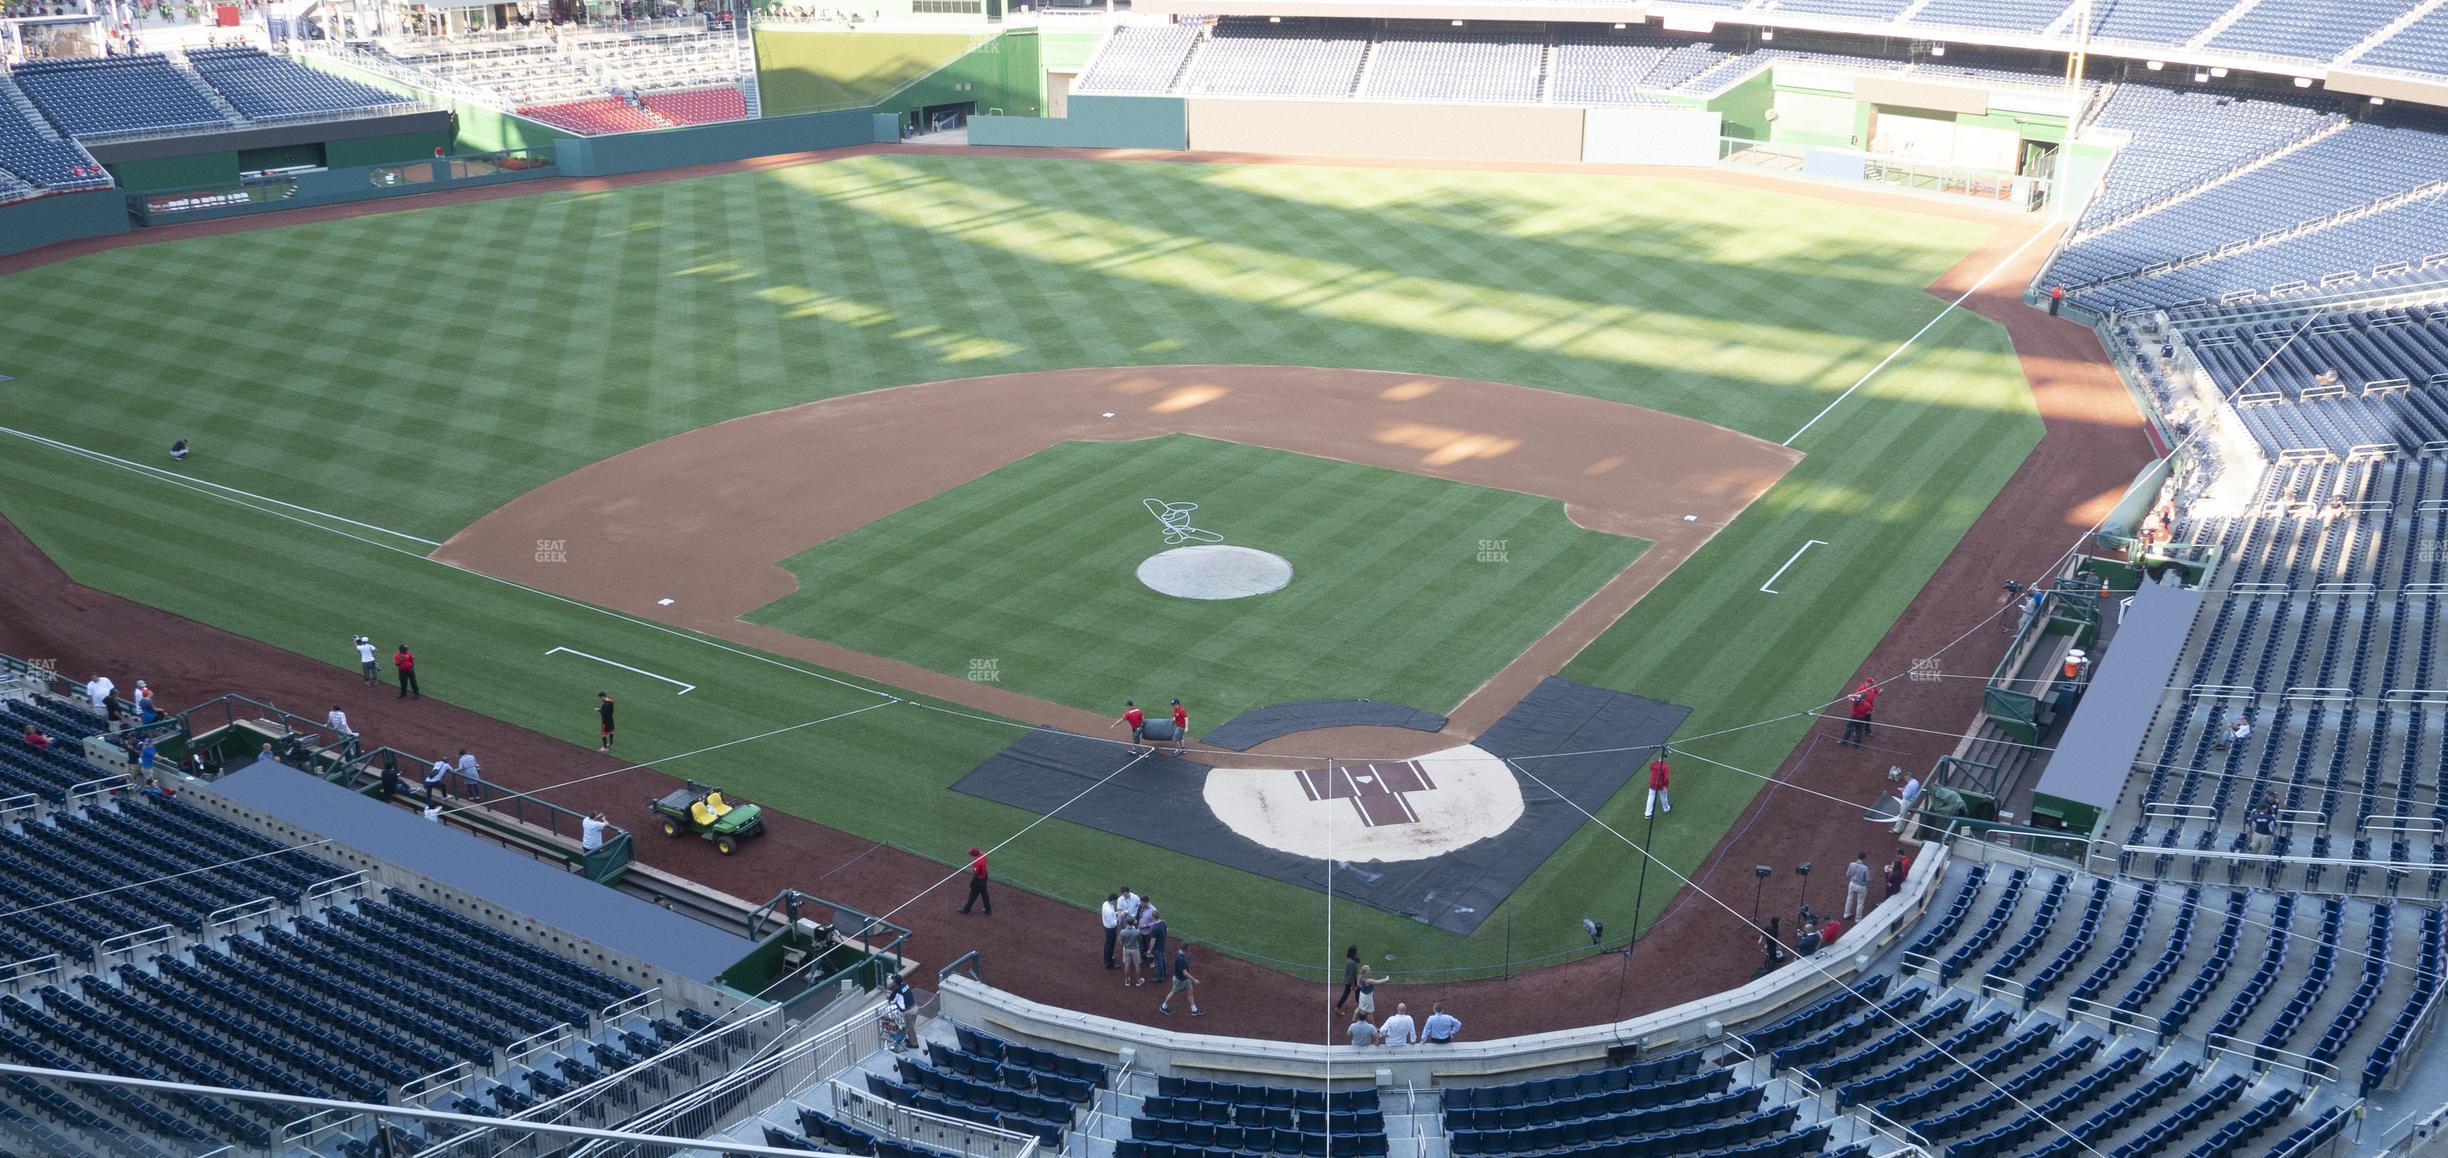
point(480, 129)
point(1745, 108)
point(1001, 76)
point(822, 70)
point(2080, 165)
point(1095, 122)
point(185, 172)
point(377, 150)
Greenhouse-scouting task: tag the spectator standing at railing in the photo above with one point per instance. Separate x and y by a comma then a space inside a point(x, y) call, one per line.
point(98, 690)
point(146, 713)
point(337, 721)
point(474, 776)
point(437, 781)
point(591, 833)
point(1399, 1029)
point(1362, 1032)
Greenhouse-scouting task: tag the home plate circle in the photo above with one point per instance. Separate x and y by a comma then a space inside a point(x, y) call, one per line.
point(1215, 571)
point(1371, 810)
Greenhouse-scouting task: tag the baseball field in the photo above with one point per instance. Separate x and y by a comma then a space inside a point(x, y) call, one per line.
point(380, 406)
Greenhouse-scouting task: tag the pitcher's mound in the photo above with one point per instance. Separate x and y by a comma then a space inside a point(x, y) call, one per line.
point(1215, 571)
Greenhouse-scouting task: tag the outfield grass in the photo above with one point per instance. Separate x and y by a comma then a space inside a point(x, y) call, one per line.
point(1032, 567)
point(414, 370)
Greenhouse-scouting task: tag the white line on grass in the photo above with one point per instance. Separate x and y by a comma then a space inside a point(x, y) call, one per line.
point(228, 495)
point(684, 688)
point(1797, 556)
point(1925, 328)
point(197, 483)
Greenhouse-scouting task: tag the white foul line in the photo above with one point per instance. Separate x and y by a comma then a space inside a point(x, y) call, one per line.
point(1790, 562)
point(684, 688)
point(197, 484)
point(1925, 328)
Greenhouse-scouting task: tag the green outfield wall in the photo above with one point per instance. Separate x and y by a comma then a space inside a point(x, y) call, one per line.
point(1094, 122)
point(710, 144)
point(61, 217)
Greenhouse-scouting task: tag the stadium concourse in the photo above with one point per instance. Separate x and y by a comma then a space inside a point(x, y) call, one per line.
point(1045, 950)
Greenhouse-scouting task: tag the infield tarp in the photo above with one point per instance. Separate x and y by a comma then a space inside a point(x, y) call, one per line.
point(591, 912)
point(1161, 800)
point(1250, 729)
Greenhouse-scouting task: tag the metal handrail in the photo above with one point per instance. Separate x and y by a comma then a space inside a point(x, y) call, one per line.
point(90, 789)
point(634, 1003)
point(436, 1082)
point(130, 942)
point(536, 1043)
point(232, 914)
point(331, 887)
point(17, 972)
point(2254, 1051)
point(2113, 1017)
point(969, 962)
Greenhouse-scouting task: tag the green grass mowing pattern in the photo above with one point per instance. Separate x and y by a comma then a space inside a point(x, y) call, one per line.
point(416, 369)
point(1033, 567)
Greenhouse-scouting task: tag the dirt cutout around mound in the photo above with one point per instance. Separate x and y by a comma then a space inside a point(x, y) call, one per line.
point(705, 519)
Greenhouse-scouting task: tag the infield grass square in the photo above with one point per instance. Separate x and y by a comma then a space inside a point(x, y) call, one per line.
point(1405, 588)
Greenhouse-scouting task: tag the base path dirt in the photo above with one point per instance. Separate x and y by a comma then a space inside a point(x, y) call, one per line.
point(687, 530)
point(1048, 951)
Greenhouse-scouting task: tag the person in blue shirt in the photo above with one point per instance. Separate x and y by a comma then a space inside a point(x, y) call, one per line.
point(1442, 1027)
point(1185, 986)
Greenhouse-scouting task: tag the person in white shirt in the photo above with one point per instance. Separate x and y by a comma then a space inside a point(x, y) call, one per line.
point(1442, 1027)
point(591, 832)
point(470, 773)
point(2238, 734)
point(437, 781)
point(1126, 906)
point(365, 661)
point(1399, 1029)
point(338, 722)
point(1113, 926)
point(1905, 801)
point(98, 690)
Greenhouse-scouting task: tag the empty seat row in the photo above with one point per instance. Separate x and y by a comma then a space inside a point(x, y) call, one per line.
point(1544, 1090)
